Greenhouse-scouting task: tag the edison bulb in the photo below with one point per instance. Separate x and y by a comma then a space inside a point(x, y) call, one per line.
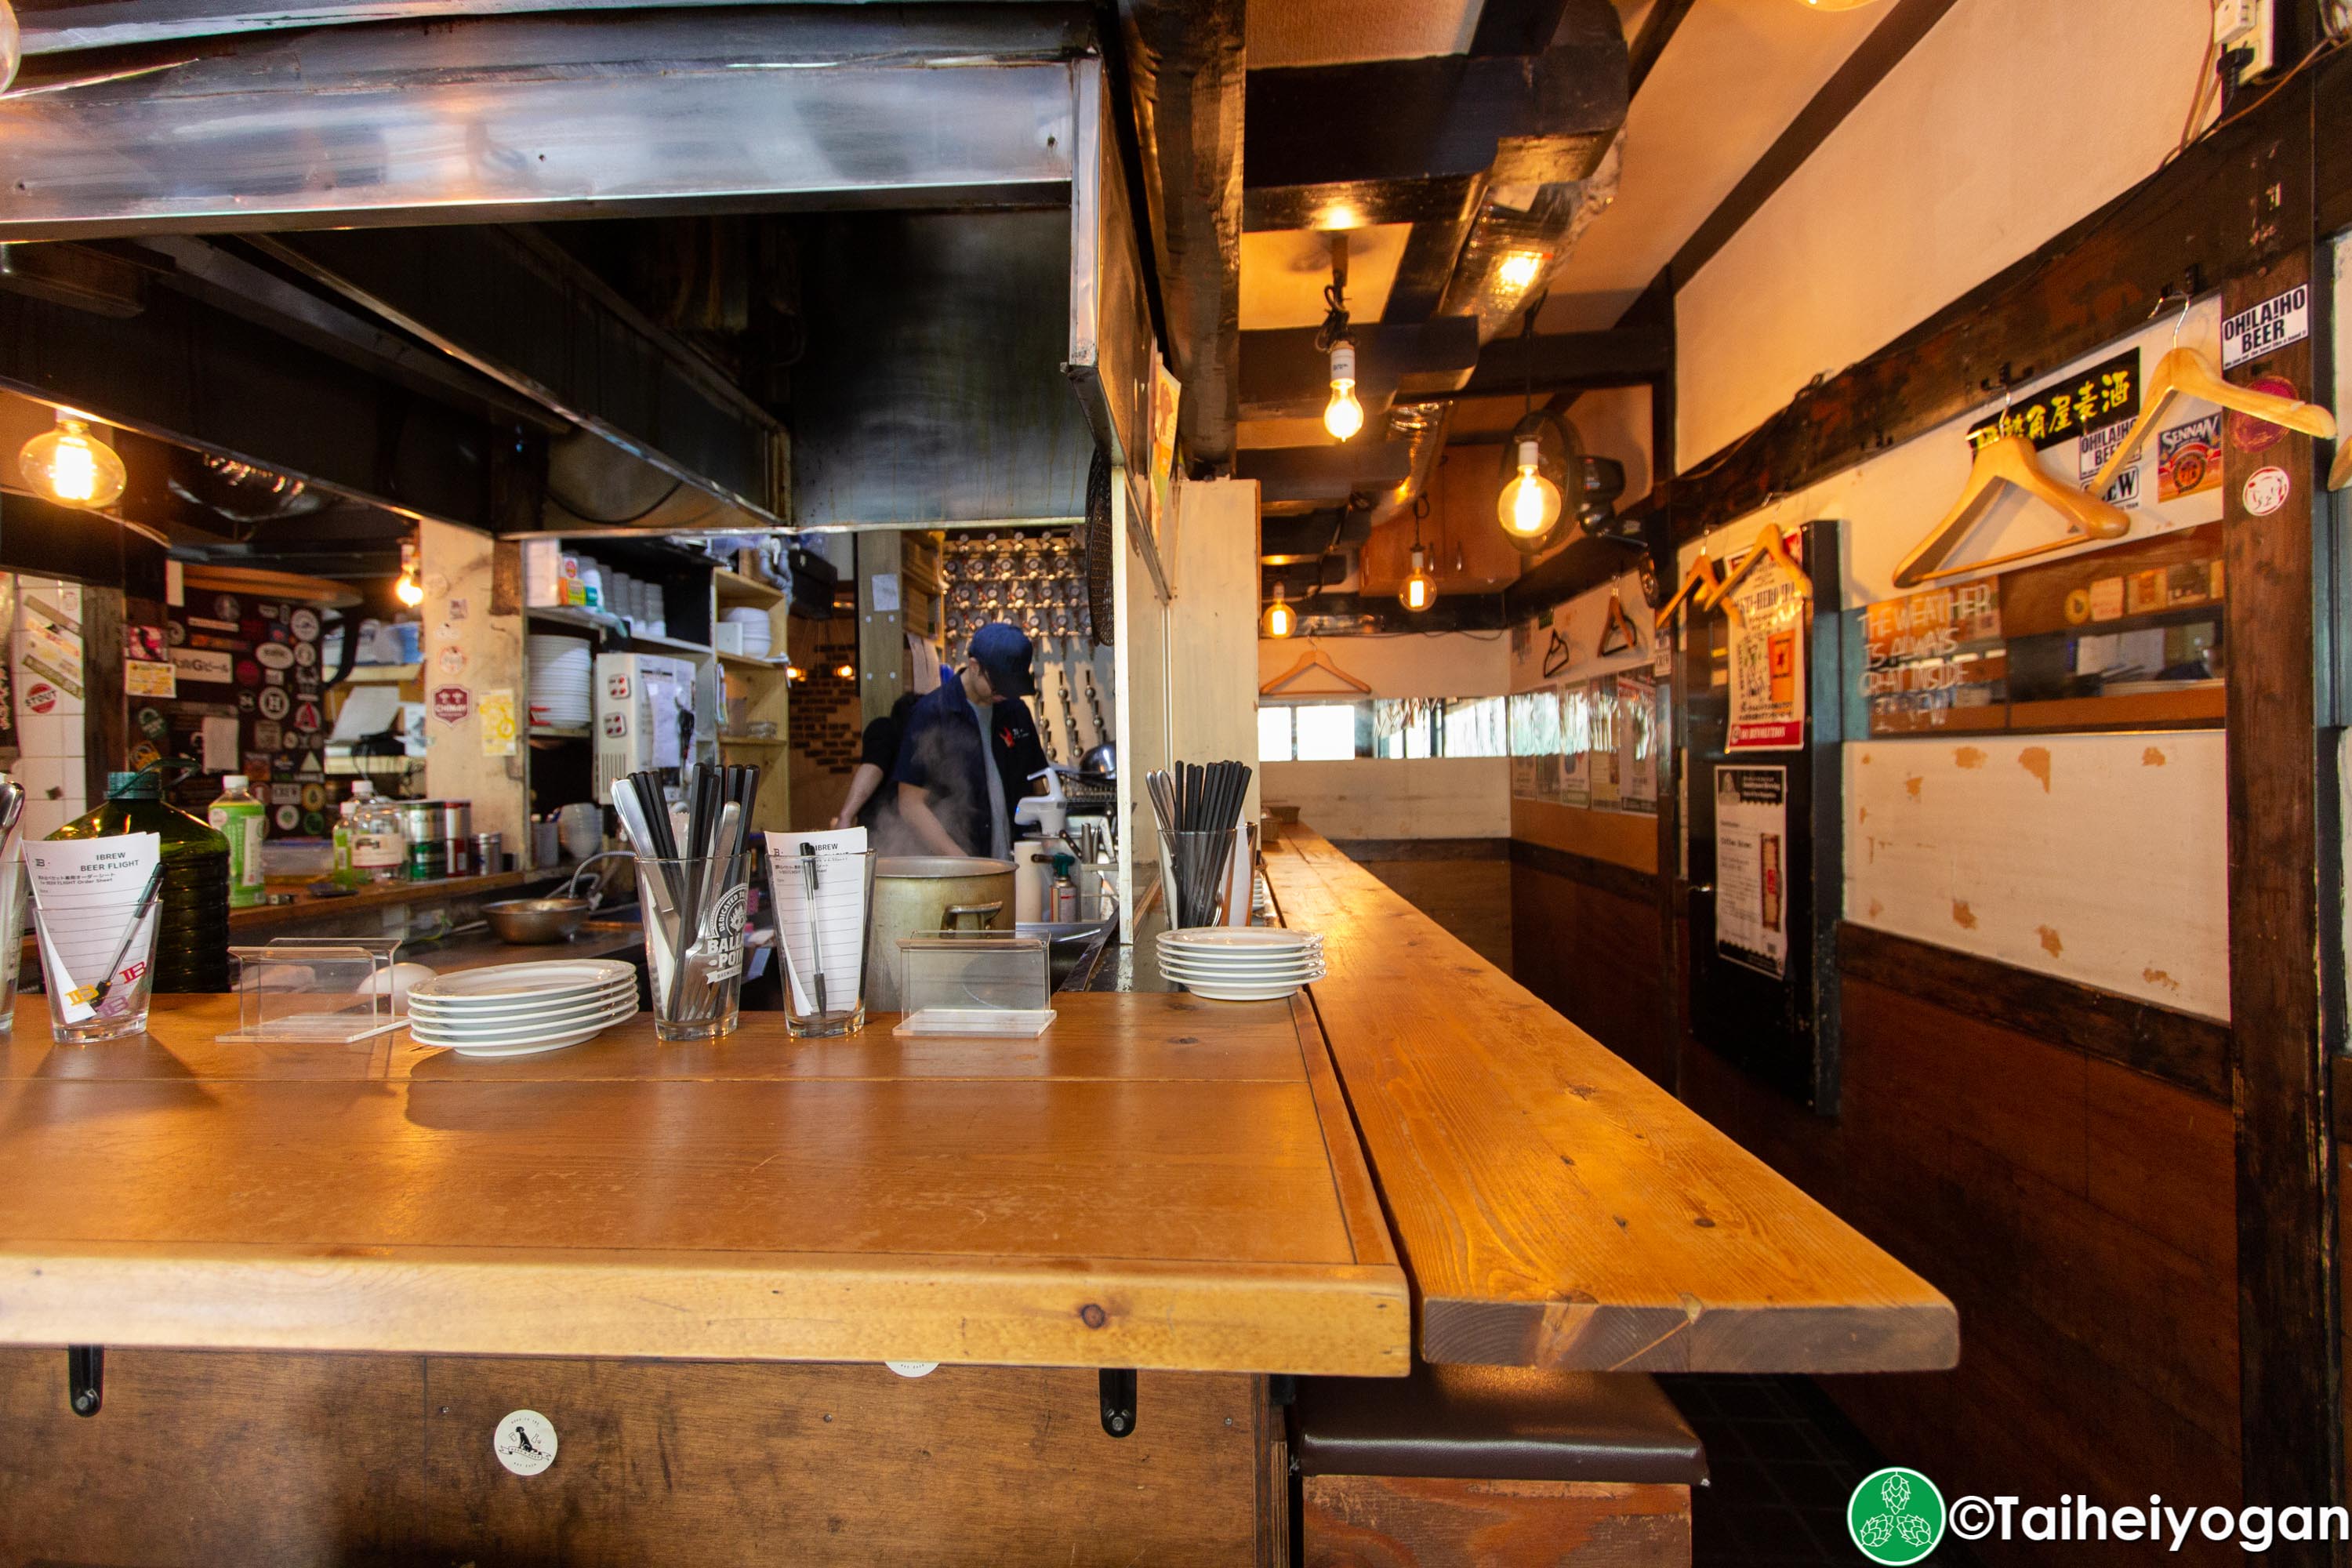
point(1343, 416)
point(844, 672)
point(1518, 271)
point(408, 590)
point(1530, 504)
point(71, 467)
point(1281, 620)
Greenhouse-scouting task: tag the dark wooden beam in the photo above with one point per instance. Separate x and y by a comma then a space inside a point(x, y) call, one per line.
point(1560, 362)
point(1516, 27)
point(2285, 930)
point(1657, 32)
point(1284, 375)
point(1586, 564)
point(1864, 70)
point(1432, 250)
point(1328, 132)
point(2087, 285)
point(1331, 473)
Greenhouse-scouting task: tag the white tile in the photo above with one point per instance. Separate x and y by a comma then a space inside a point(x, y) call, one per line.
point(41, 776)
point(43, 817)
point(44, 735)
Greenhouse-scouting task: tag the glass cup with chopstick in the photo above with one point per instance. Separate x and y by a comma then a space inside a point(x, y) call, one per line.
point(1196, 872)
point(98, 964)
point(695, 909)
point(823, 899)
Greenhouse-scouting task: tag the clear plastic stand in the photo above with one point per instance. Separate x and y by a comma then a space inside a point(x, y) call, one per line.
point(982, 984)
point(333, 991)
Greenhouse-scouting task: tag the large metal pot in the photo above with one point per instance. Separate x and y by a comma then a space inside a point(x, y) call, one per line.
point(920, 895)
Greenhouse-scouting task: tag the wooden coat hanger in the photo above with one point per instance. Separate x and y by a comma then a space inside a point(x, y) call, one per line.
point(1313, 658)
point(2011, 460)
point(1701, 581)
point(1768, 542)
point(1620, 626)
point(2185, 372)
point(2340, 473)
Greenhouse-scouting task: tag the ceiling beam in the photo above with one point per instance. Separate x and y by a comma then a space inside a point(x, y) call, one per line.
point(1317, 138)
point(1330, 474)
point(1864, 70)
point(1516, 27)
point(1285, 376)
point(1563, 362)
point(1657, 31)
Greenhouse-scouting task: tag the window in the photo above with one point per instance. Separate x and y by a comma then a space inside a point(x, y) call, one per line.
point(1406, 728)
point(1327, 731)
point(1274, 734)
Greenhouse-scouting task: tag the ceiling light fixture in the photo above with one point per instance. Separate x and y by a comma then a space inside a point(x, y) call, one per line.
point(1528, 503)
point(406, 588)
point(70, 465)
point(1419, 590)
point(844, 671)
point(1281, 620)
point(1343, 416)
point(1518, 271)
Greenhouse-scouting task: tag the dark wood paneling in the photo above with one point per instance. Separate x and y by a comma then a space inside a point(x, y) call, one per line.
point(2088, 285)
point(1358, 1522)
point(2179, 1047)
point(202, 1457)
point(1364, 850)
point(2284, 929)
point(1589, 949)
point(1470, 898)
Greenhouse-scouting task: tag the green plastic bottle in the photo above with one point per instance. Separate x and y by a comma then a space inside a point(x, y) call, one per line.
point(192, 931)
point(242, 820)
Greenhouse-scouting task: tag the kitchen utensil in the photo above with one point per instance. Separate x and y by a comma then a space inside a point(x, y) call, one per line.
point(527, 921)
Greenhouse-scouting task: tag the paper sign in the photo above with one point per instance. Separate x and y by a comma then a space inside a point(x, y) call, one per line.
point(2097, 447)
point(142, 679)
point(205, 665)
point(1768, 613)
point(886, 593)
point(497, 713)
point(1751, 879)
point(88, 891)
point(822, 933)
point(217, 745)
point(2267, 327)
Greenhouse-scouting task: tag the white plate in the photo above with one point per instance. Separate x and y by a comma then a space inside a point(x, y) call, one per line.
point(1242, 993)
point(522, 982)
point(1252, 939)
point(582, 1007)
point(528, 1035)
point(532, 1047)
point(1258, 977)
point(1238, 962)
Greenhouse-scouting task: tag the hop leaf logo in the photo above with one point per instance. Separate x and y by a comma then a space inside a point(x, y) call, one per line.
point(1895, 1517)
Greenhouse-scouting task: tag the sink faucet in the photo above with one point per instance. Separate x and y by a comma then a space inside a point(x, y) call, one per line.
point(572, 887)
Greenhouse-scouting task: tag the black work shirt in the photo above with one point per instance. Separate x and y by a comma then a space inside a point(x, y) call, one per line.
point(878, 749)
point(941, 754)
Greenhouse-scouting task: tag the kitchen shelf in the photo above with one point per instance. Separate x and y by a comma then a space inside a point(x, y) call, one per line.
point(745, 661)
point(734, 588)
point(754, 742)
point(559, 731)
point(570, 616)
point(382, 674)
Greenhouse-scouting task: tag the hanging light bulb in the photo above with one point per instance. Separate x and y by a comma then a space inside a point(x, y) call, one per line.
point(406, 588)
point(1281, 620)
point(1529, 503)
point(1343, 416)
point(1517, 271)
point(70, 465)
point(1419, 590)
point(844, 671)
point(794, 672)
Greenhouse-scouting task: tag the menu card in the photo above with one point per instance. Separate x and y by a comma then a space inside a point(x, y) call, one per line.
point(823, 932)
point(88, 894)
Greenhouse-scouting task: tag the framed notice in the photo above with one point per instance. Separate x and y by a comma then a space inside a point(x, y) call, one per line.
point(1769, 613)
point(1751, 868)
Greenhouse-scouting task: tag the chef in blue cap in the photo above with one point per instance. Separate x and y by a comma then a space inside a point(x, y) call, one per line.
point(969, 749)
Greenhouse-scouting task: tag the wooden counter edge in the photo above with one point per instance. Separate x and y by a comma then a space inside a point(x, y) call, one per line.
point(1750, 1337)
point(1312, 1320)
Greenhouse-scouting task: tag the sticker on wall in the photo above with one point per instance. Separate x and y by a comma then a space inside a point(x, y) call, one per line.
point(2097, 446)
point(143, 679)
point(144, 642)
point(2267, 328)
point(2266, 490)
point(203, 665)
point(276, 704)
point(274, 656)
point(2107, 599)
point(152, 724)
point(451, 661)
point(1751, 837)
point(288, 817)
point(2188, 457)
point(2248, 434)
point(144, 756)
point(306, 654)
point(497, 714)
point(40, 697)
point(305, 622)
point(306, 715)
point(225, 607)
point(524, 1442)
point(452, 704)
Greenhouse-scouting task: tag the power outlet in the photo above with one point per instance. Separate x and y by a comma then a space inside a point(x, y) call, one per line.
point(2246, 33)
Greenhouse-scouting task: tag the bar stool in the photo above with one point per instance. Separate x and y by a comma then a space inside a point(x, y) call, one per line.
point(1492, 1465)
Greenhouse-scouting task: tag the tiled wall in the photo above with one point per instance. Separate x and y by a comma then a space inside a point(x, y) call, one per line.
point(51, 761)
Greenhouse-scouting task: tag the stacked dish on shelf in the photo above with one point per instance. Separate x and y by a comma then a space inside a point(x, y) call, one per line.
point(1241, 963)
point(515, 1009)
point(757, 633)
point(563, 681)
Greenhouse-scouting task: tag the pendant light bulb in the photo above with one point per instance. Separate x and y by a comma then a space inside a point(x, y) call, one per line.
point(1280, 620)
point(1343, 416)
point(1419, 590)
point(1530, 504)
point(844, 671)
point(71, 467)
point(405, 587)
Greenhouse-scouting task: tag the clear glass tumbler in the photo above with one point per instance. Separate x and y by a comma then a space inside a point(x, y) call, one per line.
point(824, 901)
point(695, 910)
point(88, 1001)
point(1196, 871)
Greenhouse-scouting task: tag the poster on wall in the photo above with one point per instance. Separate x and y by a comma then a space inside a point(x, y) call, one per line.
point(1638, 729)
point(1768, 610)
point(1752, 836)
point(1931, 655)
point(1574, 784)
point(1600, 702)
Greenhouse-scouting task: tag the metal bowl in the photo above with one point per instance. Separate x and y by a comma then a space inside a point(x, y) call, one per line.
point(531, 920)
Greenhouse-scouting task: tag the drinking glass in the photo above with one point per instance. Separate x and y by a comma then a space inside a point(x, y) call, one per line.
point(694, 912)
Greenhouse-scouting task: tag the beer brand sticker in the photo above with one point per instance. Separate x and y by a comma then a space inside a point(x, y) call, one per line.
point(274, 656)
point(306, 716)
point(141, 677)
point(2267, 328)
point(451, 661)
point(2266, 490)
point(225, 607)
point(288, 817)
point(201, 665)
point(274, 703)
point(452, 704)
point(40, 697)
point(2188, 457)
point(152, 724)
point(306, 625)
point(144, 756)
point(2249, 434)
point(306, 654)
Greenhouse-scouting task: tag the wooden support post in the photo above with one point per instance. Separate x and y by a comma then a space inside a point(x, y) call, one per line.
point(2284, 891)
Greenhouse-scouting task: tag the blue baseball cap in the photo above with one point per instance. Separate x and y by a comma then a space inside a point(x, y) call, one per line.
point(1002, 652)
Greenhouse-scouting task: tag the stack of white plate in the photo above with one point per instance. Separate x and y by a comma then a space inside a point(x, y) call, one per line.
point(515, 1009)
point(562, 679)
point(1241, 963)
point(757, 634)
